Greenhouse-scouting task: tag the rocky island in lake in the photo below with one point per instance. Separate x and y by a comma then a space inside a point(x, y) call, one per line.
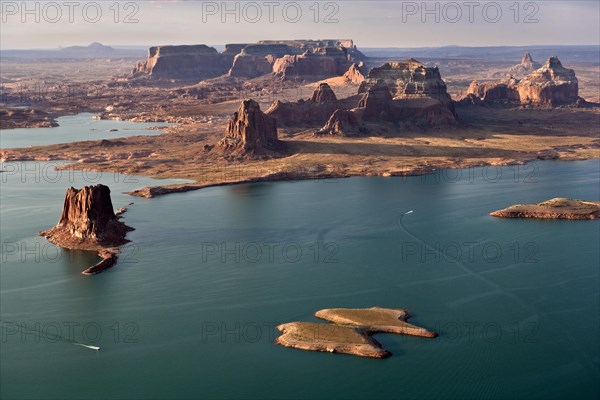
point(88, 222)
point(557, 208)
point(350, 331)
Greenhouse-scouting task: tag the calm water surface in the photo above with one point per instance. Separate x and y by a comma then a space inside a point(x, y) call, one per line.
point(190, 310)
point(76, 128)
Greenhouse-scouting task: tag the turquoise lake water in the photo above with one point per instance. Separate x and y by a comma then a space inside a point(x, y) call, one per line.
point(75, 128)
point(189, 311)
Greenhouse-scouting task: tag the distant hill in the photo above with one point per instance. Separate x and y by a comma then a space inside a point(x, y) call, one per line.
point(579, 53)
point(94, 50)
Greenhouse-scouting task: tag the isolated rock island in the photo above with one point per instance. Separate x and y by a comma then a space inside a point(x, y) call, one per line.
point(88, 222)
point(557, 208)
point(350, 331)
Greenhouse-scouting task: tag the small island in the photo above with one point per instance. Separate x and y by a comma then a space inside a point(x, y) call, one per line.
point(557, 208)
point(88, 222)
point(330, 338)
point(350, 331)
point(374, 320)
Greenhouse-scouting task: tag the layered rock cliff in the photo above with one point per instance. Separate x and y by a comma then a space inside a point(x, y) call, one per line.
point(408, 79)
point(184, 62)
point(315, 110)
point(250, 132)
point(88, 222)
point(286, 58)
point(407, 93)
point(552, 84)
point(320, 62)
point(356, 73)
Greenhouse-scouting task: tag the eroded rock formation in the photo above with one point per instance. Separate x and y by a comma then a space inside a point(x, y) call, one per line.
point(550, 85)
point(500, 91)
point(184, 62)
point(250, 131)
point(287, 58)
point(406, 93)
point(315, 110)
point(356, 73)
point(344, 123)
point(526, 66)
point(408, 79)
point(88, 222)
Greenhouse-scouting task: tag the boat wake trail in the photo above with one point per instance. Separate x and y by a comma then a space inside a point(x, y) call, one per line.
point(534, 314)
point(13, 328)
point(497, 288)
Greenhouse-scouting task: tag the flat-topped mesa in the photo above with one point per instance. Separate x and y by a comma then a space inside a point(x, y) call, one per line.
point(557, 208)
point(315, 110)
point(286, 58)
point(550, 85)
point(313, 64)
point(406, 93)
point(183, 62)
point(408, 79)
point(250, 132)
point(418, 90)
point(255, 60)
point(88, 222)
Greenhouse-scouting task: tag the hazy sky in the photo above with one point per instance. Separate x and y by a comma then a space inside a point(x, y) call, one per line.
point(48, 24)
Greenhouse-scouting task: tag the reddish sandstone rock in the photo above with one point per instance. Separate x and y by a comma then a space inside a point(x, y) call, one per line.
point(552, 84)
point(549, 85)
point(418, 92)
point(344, 123)
point(504, 91)
point(183, 62)
point(315, 110)
point(250, 131)
point(355, 74)
point(88, 222)
point(378, 103)
point(251, 66)
point(408, 79)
